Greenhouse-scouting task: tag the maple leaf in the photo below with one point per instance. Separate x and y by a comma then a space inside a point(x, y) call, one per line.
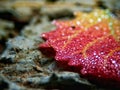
point(90, 44)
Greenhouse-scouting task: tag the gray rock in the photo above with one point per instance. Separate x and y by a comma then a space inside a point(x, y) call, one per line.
point(68, 80)
point(8, 85)
point(20, 48)
point(36, 28)
point(6, 29)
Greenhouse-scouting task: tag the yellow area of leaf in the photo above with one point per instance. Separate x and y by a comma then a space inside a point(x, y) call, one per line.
point(116, 29)
point(90, 19)
point(87, 20)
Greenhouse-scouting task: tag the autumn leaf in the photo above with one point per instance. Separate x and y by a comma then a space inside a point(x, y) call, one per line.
point(90, 44)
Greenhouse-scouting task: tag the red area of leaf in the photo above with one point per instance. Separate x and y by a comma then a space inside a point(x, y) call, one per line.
point(92, 52)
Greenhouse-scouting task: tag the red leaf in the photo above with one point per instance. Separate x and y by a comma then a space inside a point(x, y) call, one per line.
point(90, 44)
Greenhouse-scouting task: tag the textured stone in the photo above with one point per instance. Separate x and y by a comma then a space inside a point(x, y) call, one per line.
point(8, 85)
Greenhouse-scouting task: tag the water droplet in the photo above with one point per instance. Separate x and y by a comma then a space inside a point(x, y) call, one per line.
point(99, 19)
point(113, 62)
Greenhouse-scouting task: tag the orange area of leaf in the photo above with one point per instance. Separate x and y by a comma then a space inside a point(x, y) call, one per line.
point(112, 51)
point(71, 37)
point(91, 44)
